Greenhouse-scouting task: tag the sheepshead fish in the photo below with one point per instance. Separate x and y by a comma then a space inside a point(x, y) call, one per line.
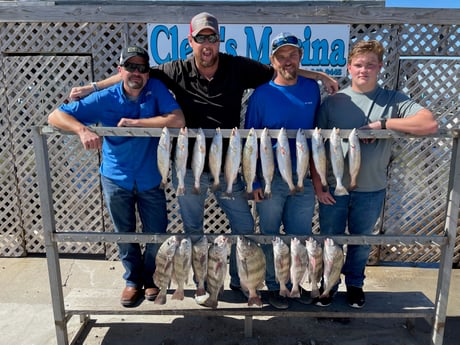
point(250, 159)
point(283, 157)
point(250, 260)
point(299, 266)
point(282, 260)
point(215, 159)
point(182, 263)
point(319, 156)
point(200, 265)
point(217, 270)
point(302, 158)
point(337, 161)
point(332, 263)
point(232, 160)
point(181, 160)
point(199, 155)
point(163, 156)
point(164, 267)
point(267, 161)
point(354, 157)
point(315, 265)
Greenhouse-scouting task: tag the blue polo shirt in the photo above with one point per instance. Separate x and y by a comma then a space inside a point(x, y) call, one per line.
point(128, 161)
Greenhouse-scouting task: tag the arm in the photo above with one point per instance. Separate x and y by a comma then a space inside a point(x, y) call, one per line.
point(175, 119)
point(330, 84)
point(421, 123)
point(323, 197)
point(79, 92)
point(66, 122)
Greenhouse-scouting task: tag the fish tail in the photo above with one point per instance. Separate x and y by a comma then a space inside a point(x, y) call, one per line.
point(180, 191)
point(210, 303)
point(160, 299)
point(299, 189)
point(178, 294)
point(255, 301)
point(162, 184)
point(292, 191)
point(324, 188)
point(340, 190)
point(196, 190)
point(215, 187)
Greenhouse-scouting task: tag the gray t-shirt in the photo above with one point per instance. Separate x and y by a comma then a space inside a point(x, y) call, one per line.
point(349, 109)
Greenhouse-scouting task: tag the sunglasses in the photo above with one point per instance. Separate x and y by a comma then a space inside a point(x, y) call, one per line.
point(213, 38)
point(131, 67)
point(286, 40)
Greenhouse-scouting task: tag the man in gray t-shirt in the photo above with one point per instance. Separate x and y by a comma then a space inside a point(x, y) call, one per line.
point(363, 105)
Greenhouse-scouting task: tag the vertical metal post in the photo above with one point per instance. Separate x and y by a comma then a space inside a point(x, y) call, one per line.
point(49, 227)
point(445, 265)
point(248, 326)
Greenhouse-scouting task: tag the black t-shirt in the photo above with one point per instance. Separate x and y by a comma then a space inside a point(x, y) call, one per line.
point(216, 102)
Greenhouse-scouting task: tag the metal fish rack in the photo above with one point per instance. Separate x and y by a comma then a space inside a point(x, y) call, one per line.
point(435, 314)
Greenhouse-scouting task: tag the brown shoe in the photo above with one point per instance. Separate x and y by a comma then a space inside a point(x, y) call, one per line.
point(151, 293)
point(129, 296)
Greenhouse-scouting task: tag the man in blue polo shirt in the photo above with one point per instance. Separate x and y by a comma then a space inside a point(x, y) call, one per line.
point(129, 172)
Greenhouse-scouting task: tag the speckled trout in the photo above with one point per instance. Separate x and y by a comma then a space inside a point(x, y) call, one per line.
point(267, 161)
point(250, 153)
point(164, 156)
point(232, 160)
point(181, 160)
point(337, 161)
point(198, 158)
point(354, 157)
point(283, 158)
point(215, 159)
point(319, 156)
point(302, 158)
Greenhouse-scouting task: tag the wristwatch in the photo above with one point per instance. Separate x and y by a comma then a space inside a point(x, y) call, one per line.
point(383, 124)
point(94, 85)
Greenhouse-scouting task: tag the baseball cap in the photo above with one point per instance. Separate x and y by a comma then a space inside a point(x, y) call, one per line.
point(285, 39)
point(132, 51)
point(201, 21)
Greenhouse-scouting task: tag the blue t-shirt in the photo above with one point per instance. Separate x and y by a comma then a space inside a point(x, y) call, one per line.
point(128, 161)
point(291, 107)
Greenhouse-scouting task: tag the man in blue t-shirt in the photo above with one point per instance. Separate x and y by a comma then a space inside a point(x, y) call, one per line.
point(288, 101)
point(129, 172)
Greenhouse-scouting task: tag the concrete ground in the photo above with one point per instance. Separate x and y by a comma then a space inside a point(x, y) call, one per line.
point(26, 316)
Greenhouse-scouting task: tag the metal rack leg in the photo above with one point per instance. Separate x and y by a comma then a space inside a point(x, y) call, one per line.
point(248, 326)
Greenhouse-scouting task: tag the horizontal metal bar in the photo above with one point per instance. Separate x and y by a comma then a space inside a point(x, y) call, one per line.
point(156, 132)
point(151, 238)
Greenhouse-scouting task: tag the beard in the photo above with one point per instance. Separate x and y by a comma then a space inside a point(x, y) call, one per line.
point(206, 63)
point(135, 84)
point(288, 75)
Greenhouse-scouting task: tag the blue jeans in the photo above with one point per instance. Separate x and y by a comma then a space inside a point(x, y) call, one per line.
point(295, 212)
point(236, 209)
point(360, 210)
point(151, 205)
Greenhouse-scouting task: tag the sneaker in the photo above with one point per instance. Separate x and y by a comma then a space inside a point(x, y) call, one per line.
point(305, 297)
point(355, 297)
point(277, 301)
point(323, 301)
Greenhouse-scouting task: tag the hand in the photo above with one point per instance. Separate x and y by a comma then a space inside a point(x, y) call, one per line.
point(330, 84)
point(369, 126)
point(258, 194)
point(124, 122)
point(79, 92)
point(90, 140)
point(325, 198)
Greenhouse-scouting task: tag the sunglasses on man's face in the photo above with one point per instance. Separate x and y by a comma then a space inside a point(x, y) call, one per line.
point(213, 38)
point(131, 67)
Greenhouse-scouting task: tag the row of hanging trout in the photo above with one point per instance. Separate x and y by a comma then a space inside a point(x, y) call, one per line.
point(310, 263)
point(248, 154)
